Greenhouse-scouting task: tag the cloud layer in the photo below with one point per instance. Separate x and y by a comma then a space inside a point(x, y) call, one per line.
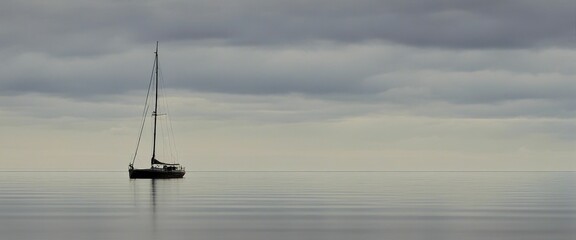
point(483, 81)
point(84, 27)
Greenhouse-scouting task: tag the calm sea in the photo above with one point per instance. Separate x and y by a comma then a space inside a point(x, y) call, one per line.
point(289, 206)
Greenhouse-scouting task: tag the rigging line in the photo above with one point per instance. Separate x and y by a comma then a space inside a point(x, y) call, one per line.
point(166, 138)
point(160, 139)
point(144, 113)
point(167, 144)
point(173, 149)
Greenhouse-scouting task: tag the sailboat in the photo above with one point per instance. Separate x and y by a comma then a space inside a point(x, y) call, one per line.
point(157, 168)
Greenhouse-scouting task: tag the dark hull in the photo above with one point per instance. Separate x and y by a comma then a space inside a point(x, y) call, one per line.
point(155, 173)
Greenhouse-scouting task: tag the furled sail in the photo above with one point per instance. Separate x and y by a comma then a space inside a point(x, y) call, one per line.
point(155, 161)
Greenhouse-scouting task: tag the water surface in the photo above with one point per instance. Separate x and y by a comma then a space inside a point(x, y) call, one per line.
point(289, 205)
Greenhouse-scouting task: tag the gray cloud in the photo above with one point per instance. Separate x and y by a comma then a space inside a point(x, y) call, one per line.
point(359, 79)
point(440, 23)
point(85, 27)
point(492, 57)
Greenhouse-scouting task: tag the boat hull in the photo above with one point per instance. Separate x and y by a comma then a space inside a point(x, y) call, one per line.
point(152, 173)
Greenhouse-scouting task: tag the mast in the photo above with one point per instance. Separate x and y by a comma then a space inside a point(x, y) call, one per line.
point(155, 113)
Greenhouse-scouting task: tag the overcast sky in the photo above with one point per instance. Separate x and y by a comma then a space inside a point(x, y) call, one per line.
point(292, 84)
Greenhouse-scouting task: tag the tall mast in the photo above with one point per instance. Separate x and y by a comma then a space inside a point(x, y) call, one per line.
point(155, 113)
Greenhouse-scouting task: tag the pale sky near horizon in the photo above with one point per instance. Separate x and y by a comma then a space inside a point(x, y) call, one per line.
point(293, 85)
